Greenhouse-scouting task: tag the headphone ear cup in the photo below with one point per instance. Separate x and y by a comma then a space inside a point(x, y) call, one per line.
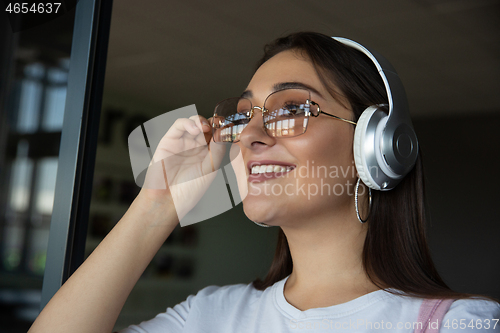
point(365, 144)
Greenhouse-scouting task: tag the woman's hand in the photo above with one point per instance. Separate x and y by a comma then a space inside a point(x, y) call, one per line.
point(183, 166)
point(92, 298)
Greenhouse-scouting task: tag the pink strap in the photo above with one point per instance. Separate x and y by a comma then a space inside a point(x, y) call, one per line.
point(431, 314)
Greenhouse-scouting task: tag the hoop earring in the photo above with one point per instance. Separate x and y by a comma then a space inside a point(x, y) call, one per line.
point(356, 202)
point(262, 224)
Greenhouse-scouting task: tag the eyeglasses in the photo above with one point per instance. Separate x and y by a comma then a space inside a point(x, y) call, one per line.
point(285, 113)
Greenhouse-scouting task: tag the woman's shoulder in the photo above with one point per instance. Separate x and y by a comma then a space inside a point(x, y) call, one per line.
point(228, 292)
point(474, 308)
point(209, 302)
point(472, 315)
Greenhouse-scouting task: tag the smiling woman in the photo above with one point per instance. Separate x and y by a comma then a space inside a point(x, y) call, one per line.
point(391, 250)
point(358, 255)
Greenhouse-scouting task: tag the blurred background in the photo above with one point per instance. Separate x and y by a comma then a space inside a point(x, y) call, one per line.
point(166, 55)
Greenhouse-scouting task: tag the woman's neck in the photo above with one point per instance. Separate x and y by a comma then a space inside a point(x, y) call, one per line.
point(327, 264)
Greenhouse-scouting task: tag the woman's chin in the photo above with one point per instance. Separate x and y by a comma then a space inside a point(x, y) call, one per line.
point(258, 213)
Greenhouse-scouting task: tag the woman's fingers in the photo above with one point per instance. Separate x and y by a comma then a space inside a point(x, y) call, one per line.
point(205, 127)
point(185, 133)
point(193, 126)
point(180, 127)
point(185, 138)
point(215, 155)
point(212, 160)
point(208, 132)
point(200, 120)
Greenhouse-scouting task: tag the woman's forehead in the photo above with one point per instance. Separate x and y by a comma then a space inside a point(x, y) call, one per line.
point(292, 66)
point(286, 67)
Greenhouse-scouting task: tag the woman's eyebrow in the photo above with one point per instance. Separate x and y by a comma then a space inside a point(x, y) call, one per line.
point(292, 85)
point(246, 94)
point(282, 86)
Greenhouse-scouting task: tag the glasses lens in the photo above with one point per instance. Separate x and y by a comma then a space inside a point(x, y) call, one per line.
point(288, 112)
point(230, 118)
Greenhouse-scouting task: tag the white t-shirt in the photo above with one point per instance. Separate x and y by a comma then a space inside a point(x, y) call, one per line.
point(241, 308)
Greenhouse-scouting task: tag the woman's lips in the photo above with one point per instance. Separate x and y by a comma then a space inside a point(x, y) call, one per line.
point(263, 170)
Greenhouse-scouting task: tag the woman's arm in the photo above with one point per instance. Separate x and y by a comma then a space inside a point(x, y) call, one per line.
point(92, 298)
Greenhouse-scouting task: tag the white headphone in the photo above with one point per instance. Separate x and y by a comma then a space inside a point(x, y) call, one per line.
point(385, 145)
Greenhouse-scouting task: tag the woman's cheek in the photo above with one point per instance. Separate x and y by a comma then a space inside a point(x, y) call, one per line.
point(239, 168)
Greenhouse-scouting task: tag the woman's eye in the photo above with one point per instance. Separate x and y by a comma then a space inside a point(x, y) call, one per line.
point(294, 108)
point(243, 111)
point(238, 118)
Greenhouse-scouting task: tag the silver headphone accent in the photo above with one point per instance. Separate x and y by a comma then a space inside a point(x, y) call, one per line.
point(385, 145)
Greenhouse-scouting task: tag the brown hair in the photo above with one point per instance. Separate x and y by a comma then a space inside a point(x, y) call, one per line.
point(395, 254)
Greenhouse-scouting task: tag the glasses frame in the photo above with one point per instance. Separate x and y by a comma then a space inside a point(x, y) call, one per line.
point(250, 113)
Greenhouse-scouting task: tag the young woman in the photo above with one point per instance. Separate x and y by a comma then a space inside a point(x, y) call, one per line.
point(330, 271)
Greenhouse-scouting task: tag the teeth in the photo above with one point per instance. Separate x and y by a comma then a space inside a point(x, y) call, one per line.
point(269, 168)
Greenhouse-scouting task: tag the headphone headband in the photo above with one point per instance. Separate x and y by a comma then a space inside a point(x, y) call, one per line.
point(387, 145)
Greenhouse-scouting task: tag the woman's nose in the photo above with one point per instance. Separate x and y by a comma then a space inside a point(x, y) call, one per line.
point(255, 134)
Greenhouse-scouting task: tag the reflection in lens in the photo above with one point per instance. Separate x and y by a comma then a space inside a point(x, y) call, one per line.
point(284, 123)
point(232, 116)
point(229, 131)
point(286, 114)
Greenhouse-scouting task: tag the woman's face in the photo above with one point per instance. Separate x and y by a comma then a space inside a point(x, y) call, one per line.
point(322, 180)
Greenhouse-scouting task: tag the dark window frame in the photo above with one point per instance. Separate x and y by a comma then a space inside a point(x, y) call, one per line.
point(68, 227)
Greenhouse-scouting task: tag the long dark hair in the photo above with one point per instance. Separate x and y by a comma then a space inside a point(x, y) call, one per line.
point(395, 254)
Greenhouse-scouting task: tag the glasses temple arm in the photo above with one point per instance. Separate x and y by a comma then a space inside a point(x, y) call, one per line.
point(339, 118)
point(331, 115)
